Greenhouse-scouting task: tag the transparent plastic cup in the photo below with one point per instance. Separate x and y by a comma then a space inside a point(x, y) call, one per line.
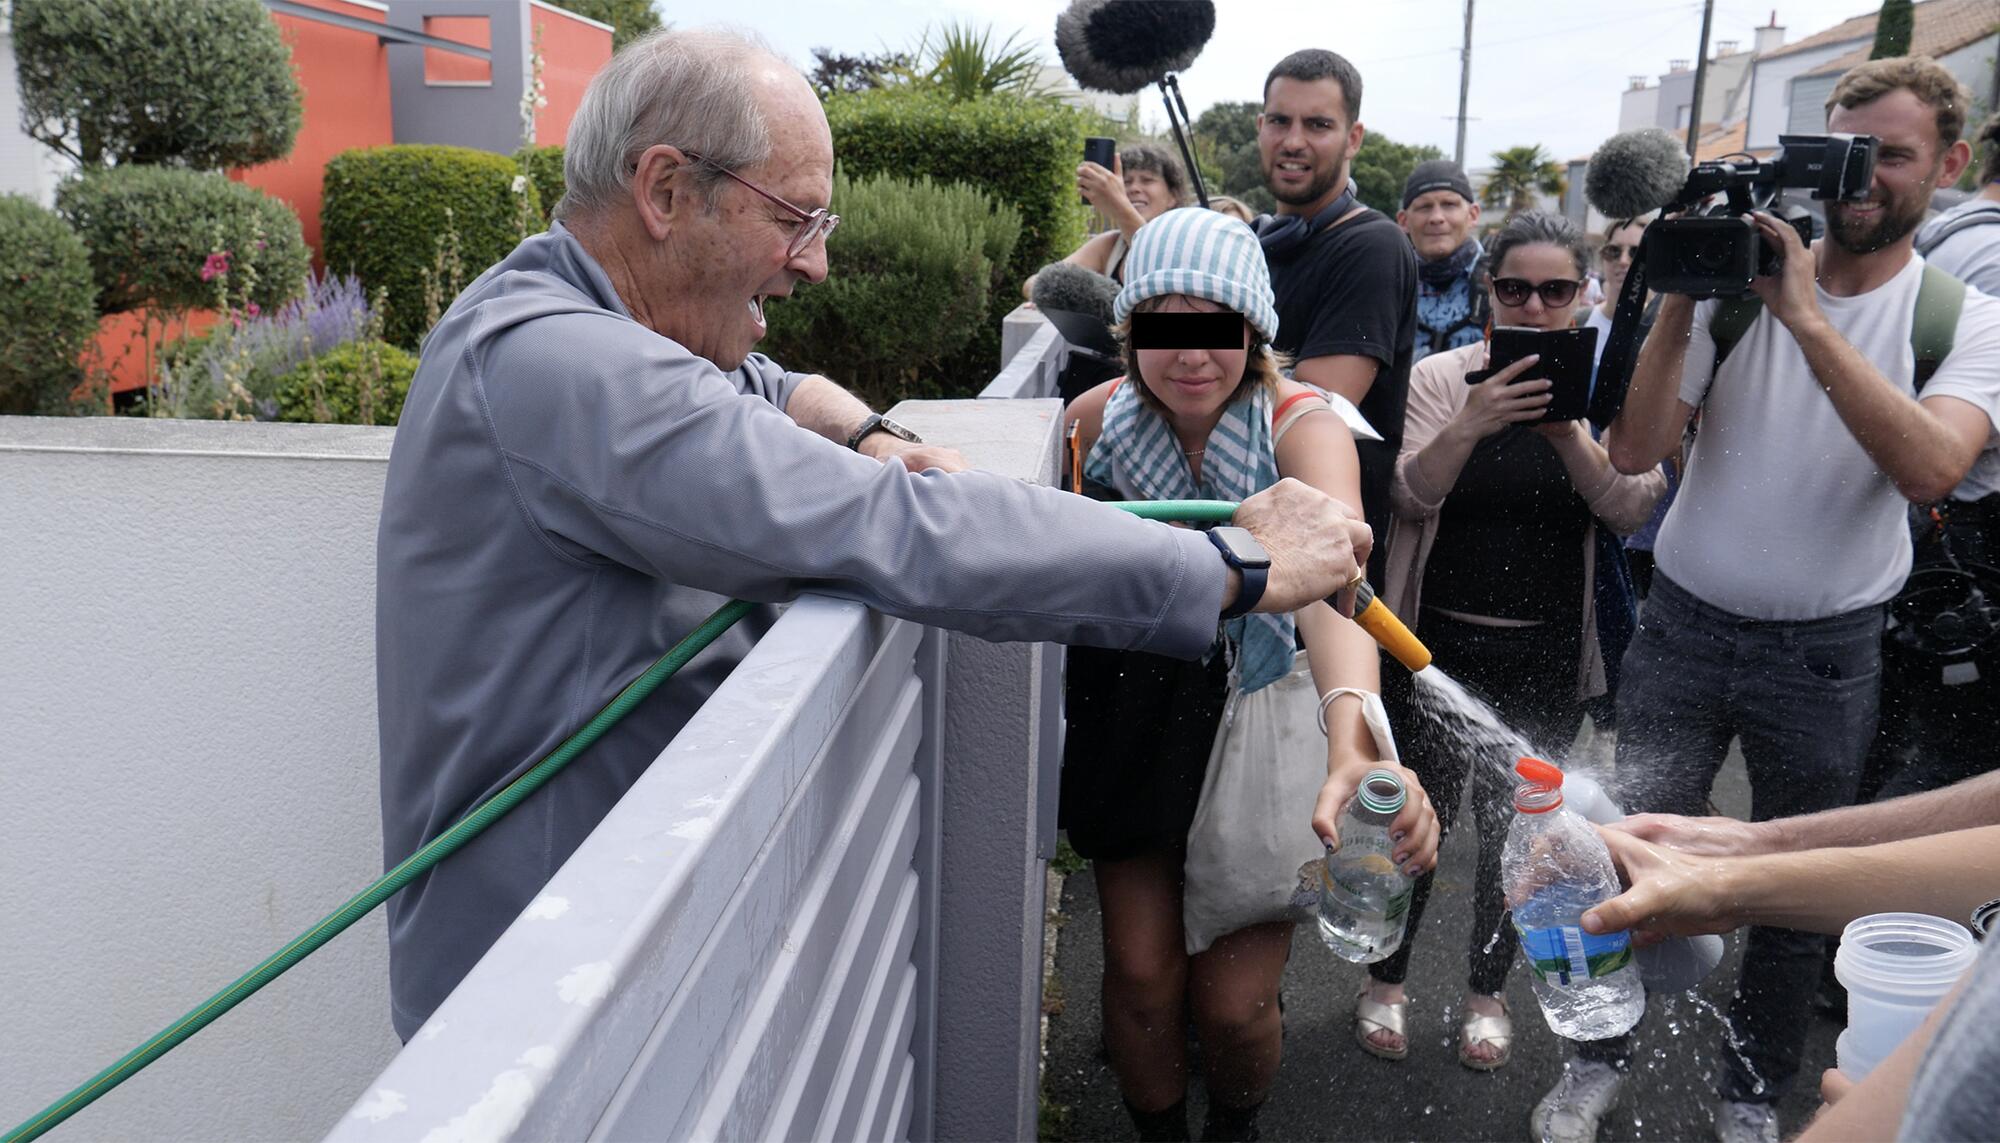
point(1895, 967)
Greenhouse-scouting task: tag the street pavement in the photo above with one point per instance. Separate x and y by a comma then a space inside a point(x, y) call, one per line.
point(1328, 1088)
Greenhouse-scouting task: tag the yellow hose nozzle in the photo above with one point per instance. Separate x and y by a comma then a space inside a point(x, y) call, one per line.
point(1374, 617)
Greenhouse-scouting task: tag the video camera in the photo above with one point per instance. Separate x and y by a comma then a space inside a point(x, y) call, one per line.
point(1714, 251)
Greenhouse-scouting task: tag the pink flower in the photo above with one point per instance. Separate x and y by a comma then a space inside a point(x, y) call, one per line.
point(251, 309)
point(215, 265)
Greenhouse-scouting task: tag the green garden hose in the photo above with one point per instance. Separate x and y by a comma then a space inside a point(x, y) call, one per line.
point(467, 828)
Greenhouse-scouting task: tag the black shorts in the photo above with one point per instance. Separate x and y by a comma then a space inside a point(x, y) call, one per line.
point(1140, 727)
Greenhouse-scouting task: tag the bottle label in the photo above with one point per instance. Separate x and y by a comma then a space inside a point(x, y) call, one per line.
point(1565, 954)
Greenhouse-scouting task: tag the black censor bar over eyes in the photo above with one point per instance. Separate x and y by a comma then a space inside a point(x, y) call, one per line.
point(1187, 331)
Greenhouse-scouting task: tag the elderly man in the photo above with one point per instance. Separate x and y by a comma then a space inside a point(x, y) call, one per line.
point(591, 458)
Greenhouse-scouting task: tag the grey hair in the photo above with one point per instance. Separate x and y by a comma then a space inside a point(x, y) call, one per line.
point(1534, 228)
point(688, 89)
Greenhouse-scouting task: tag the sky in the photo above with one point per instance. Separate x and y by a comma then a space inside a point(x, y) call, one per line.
point(1543, 71)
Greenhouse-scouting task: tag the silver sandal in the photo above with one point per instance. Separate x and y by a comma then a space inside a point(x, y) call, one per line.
point(1371, 1016)
point(1495, 1030)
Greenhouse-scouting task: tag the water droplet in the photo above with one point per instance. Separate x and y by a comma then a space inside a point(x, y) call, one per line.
point(1429, 1108)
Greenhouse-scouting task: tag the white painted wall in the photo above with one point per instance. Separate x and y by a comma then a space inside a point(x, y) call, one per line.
point(187, 768)
point(1770, 91)
point(26, 167)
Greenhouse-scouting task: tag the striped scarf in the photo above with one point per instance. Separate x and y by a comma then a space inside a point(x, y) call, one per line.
point(1240, 461)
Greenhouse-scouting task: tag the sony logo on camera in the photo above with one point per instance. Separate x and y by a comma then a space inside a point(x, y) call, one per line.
point(1714, 250)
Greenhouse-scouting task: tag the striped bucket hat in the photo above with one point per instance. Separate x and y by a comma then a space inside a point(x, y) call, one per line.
point(1203, 254)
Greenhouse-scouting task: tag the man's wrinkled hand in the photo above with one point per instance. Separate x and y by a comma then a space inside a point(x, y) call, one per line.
point(1317, 544)
point(915, 457)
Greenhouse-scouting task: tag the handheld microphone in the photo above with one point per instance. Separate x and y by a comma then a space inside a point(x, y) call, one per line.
point(1078, 302)
point(1635, 173)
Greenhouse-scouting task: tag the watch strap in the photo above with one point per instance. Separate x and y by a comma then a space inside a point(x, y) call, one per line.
point(1254, 580)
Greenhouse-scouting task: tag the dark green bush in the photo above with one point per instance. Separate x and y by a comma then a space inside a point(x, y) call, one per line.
point(360, 383)
point(150, 230)
point(47, 307)
point(197, 83)
point(1023, 152)
point(915, 274)
point(412, 216)
point(544, 168)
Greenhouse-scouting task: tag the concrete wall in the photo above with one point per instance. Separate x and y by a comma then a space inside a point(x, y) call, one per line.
point(1770, 110)
point(187, 767)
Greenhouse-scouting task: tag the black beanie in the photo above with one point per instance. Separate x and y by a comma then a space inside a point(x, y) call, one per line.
point(1436, 174)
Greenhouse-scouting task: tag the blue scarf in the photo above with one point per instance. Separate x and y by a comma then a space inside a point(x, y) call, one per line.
point(1240, 460)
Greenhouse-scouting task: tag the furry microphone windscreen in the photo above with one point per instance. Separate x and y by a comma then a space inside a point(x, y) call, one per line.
point(1635, 173)
point(1121, 46)
point(1067, 287)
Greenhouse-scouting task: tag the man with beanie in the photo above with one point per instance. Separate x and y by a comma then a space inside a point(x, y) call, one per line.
point(1345, 280)
point(1439, 214)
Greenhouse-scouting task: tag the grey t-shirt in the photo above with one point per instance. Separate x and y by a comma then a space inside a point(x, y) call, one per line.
point(570, 493)
point(1955, 1095)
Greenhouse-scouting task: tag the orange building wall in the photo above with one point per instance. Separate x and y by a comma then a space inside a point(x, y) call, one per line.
point(572, 51)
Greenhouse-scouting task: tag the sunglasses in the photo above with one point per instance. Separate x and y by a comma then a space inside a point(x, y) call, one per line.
point(813, 224)
point(1156, 330)
point(1555, 292)
point(1613, 252)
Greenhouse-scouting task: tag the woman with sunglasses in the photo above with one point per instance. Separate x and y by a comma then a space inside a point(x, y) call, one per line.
point(1492, 553)
point(1202, 412)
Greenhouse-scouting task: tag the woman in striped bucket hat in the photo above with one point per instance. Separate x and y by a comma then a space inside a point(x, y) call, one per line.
point(1204, 412)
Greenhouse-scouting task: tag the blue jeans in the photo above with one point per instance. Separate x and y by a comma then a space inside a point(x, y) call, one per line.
point(1803, 697)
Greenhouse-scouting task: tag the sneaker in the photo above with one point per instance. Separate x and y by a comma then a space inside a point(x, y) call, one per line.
point(1746, 1122)
point(1570, 1111)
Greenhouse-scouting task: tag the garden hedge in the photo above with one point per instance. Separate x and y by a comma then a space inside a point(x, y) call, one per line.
point(1023, 152)
point(203, 84)
point(47, 307)
point(150, 231)
point(917, 265)
point(342, 373)
point(389, 212)
point(544, 168)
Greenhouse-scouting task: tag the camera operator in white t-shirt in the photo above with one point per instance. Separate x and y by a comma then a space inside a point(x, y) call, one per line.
point(1766, 614)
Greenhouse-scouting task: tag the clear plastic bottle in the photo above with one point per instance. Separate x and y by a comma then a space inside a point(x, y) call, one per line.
point(1364, 896)
point(1555, 868)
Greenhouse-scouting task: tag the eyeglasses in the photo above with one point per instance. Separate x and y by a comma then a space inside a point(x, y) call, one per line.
point(1613, 252)
point(813, 224)
point(1555, 292)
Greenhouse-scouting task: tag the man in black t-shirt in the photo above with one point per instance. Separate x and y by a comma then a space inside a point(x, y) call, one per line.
point(1345, 279)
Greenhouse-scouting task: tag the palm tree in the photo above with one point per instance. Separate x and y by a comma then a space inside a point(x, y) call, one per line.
point(1519, 175)
point(965, 64)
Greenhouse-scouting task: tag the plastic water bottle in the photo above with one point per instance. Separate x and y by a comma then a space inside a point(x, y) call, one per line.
point(1677, 964)
point(1556, 868)
point(1364, 896)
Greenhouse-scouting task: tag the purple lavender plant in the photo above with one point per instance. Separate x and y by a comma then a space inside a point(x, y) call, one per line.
point(265, 347)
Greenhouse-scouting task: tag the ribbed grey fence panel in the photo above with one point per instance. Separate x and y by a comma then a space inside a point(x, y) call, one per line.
point(741, 923)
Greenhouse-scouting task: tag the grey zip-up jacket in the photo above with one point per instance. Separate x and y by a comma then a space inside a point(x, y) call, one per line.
point(570, 493)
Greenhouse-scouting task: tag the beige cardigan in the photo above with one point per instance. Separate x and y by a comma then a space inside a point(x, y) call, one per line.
point(1437, 393)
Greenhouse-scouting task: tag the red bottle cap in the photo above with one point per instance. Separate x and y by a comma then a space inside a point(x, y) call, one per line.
point(1541, 790)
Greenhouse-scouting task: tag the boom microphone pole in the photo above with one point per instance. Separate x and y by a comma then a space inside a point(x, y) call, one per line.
point(1120, 46)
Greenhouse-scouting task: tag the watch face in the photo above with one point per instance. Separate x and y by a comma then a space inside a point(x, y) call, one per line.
point(1243, 548)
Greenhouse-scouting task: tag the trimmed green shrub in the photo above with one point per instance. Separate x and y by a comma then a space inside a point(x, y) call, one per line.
point(47, 307)
point(544, 168)
point(200, 83)
point(1023, 152)
point(151, 232)
point(421, 219)
point(360, 383)
point(916, 272)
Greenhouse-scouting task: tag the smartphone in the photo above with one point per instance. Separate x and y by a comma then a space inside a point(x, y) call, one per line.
point(1568, 358)
point(1104, 152)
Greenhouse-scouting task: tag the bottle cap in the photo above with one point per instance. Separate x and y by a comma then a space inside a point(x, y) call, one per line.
point(1541, 790)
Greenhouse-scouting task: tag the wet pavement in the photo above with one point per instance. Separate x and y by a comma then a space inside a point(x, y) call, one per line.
point(1328, 1088)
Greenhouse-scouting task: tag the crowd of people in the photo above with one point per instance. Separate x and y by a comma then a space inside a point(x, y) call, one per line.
point(1711, 565)
point(567, 514)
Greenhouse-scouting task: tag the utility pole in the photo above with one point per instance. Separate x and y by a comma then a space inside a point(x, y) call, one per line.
point(1464, 85)
point(1700, 75)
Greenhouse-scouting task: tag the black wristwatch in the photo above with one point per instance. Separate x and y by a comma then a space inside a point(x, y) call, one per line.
point(1241, 551)
point(876, 422)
